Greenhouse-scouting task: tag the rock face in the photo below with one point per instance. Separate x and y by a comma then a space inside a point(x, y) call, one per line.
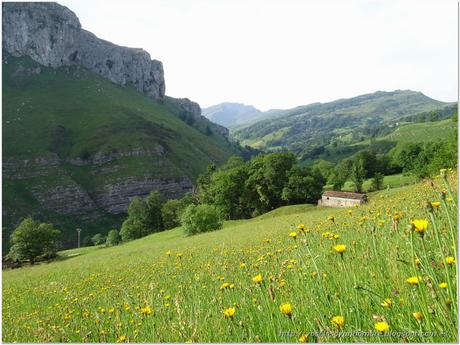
point(193, 110)
point(51, 34)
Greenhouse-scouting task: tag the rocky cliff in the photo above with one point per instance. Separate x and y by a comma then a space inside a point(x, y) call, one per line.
point(77, 144)
point(51, 34)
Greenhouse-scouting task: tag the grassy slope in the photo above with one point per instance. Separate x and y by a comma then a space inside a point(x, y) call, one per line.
point(75, 113)
point(417, 132)
point(184, 293)
point(97, 115)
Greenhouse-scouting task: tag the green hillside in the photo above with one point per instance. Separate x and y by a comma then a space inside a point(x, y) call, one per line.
point(171, 288)
point(70, 134)
point(309, 130)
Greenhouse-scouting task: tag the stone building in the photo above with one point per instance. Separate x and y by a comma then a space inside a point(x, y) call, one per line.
point(341, 199)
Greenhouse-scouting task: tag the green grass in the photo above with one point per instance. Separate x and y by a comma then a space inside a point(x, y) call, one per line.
point(169, 288)
point(417, 133)
point(422, 132)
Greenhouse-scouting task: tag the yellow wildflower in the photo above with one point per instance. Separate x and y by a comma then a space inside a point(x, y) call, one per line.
point(229, 312)
point(225, 286)
point(420, 225)
point(121, 339)
point(286, 309)
point(303, 338)
point(418, 316)
point(338, 320)
point(443, 285)
point(146, 310)
point(340, 248)
point(435, 204)
point(414, 280)
point(381, 326)
point(387, 303)
point(257, 279)
point(450, 260)
point(293, 235)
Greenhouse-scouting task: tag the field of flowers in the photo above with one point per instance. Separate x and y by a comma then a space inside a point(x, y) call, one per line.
point(385, 271)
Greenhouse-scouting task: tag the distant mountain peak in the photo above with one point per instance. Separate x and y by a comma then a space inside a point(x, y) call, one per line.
point(230, 114)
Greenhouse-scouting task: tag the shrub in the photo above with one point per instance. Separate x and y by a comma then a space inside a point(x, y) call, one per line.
point(31, 241)
point(113, 238)
point(172, 210)
point(87, 241)
point(98, 239)
point(201, 218)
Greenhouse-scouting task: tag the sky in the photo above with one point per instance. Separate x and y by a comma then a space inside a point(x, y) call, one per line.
point(285, 53)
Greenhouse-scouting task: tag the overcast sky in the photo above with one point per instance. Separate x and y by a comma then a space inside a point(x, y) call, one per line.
point(284, 53)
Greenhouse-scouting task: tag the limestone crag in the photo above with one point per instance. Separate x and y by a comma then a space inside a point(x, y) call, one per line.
point(193, 110)
point(56, 189)
point(65, 199)
point(105, 157)
point(18, 169)
point(51, 34)
point(115, 197)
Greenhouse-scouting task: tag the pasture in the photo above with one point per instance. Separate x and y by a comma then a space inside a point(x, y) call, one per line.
point(281, 277)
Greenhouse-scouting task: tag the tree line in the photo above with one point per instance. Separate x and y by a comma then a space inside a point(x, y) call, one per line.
point(243, 189)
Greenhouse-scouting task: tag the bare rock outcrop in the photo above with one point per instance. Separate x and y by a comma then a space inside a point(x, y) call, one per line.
point(51, 34)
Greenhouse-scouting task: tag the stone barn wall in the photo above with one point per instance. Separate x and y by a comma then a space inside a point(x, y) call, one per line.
point(338, 202)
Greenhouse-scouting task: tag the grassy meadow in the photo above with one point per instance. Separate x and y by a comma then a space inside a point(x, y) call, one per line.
point(282, 277)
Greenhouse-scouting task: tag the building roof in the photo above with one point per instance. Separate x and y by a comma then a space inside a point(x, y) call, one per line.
point(344, 195)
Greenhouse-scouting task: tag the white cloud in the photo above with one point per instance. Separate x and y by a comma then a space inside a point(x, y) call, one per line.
point(280, 54)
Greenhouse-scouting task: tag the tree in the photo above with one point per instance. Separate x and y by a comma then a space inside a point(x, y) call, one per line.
point(31, 241)
point(144, 217)
point(137, 209)
point(131, 229)
point(201, 218)
point(169, 213)
point(303, 186)
point(377, 181)
point(113, 238)
point(324, 166)
point(98, 239)
point(267, 176)
point(339, 175)
point(358, 174)
point(204, 181)
point(227, 191)
point(154, 202)
point(172, 210)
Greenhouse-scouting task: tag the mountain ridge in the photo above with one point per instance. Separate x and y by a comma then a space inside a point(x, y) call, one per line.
point(231, 114)
point(314, 125)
